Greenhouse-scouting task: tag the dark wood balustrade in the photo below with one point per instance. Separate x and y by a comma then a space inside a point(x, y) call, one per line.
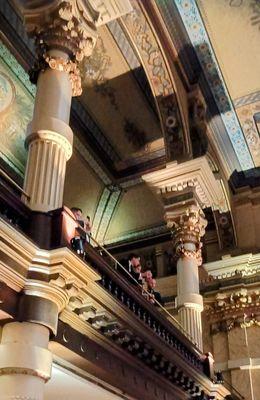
point(52, 230)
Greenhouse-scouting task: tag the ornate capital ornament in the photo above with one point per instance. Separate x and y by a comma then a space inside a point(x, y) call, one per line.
point(188, 228)
point(68, 27)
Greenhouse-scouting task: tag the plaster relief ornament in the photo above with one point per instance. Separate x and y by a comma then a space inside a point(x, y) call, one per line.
point(189, 228)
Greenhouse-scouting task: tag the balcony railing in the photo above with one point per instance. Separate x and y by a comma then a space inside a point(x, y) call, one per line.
point(56, 229)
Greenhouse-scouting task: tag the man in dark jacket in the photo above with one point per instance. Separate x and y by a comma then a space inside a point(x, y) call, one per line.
point(132, 268)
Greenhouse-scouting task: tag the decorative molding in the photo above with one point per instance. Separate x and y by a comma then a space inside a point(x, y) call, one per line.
point(108, 213)
point(248, 118)
point(192, 20)
point(100, 210)
point(153, 60)
point(248, 99)
point(245, 264)
point(134, 235)
point(17, 69)
point(225, 230)
point(133, 61)
point(194, 175)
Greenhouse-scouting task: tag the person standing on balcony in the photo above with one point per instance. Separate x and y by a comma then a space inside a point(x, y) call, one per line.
point(88, 227)
point(79, 239)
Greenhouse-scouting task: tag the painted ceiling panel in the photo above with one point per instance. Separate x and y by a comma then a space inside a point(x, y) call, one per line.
point(235, 38)
point(138, 209)
point(114, 99)
point(233, 28)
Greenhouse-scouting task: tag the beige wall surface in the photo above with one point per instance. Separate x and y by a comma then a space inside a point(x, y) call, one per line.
point(82, 187)
point(236, 43)
point(138, 209)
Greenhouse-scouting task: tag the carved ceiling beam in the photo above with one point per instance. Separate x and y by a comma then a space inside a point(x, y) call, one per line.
point(192, 181)
point(163, 85)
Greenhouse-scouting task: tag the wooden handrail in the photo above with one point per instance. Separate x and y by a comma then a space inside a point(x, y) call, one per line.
point(6, 176)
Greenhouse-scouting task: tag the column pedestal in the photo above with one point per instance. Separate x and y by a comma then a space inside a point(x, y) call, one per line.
point(25, 361)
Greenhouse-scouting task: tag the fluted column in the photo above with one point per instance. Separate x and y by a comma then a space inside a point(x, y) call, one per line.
point(25, 361)
point(188, 229)
point(49, 138)
point(64, 34)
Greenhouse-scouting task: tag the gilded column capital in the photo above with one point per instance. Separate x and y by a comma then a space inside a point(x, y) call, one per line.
point(65, 31)
point(188, 228)
point(65, 25)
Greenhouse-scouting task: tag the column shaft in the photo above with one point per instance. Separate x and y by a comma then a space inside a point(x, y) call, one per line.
point(49, 137)
point(189, 228)
point(25, 361)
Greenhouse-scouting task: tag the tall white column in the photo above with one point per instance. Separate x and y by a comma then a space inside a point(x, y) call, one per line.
point(189, 228)
point(49, 137)
point(25, 361)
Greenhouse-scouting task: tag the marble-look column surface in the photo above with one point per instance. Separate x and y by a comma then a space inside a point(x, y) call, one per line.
point(188, 228)
point(49, 138)
point(65, 32)
point(25, 361)
point(63, 37)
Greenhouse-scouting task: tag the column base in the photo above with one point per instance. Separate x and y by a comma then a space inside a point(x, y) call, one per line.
point(190, 319)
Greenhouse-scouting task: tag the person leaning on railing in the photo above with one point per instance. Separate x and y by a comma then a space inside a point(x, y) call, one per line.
point(154, 295)
point(131, 267)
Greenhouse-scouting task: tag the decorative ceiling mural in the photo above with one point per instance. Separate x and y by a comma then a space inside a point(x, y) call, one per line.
point(200, 40)
point(117, 114)
point(16, 108)
point(163, 85)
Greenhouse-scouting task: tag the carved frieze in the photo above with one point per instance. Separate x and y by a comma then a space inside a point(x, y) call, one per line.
point(191, 176)
point(237, 308)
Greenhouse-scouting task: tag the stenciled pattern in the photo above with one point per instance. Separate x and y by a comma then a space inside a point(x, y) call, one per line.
point(197, 33)
point(16, 109)
point(17, 69)
point(164, 91)
point(138, 234)
point(100, 210)
point(107, 215)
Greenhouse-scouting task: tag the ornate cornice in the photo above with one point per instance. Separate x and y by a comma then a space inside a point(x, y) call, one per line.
point(198, 35)
point(194, 175)
point(245, 264)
